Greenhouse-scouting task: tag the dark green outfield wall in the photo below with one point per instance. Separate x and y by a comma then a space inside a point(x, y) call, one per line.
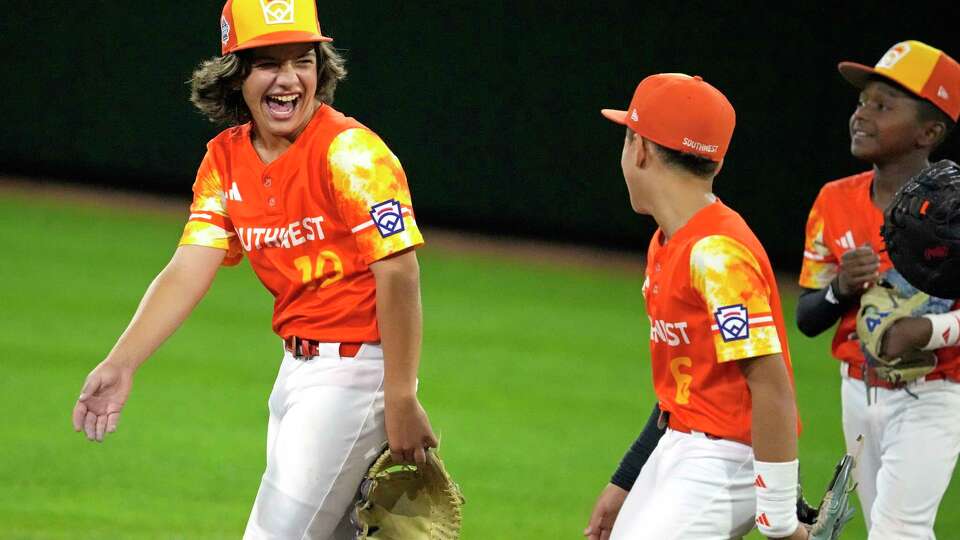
point(491, 106)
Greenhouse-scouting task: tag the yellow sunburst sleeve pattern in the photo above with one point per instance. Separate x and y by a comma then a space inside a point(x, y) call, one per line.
point(820, 265)
point(209, 224)
point(367, 177)
point(728, 277)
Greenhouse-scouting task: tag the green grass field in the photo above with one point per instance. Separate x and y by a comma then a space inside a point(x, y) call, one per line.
point(536, 377)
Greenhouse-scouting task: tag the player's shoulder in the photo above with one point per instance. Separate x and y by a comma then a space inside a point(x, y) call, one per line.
point(356, 137)
point(719, 226)
point(720, 258)
point(229, 138)
point(724, 247)
point(728, 236)
point(720, 219)
point(848, 185)
point(334, 123)
point(359, 146)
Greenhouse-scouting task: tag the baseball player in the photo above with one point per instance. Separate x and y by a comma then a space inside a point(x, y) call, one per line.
point(908, 104)
point(721, 367)
point(321, 209)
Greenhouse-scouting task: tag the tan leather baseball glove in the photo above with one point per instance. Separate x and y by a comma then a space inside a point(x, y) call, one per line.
point(405, 502)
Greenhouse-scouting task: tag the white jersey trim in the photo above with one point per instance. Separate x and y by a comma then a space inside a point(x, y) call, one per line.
point(370, 223)
point(753, 321)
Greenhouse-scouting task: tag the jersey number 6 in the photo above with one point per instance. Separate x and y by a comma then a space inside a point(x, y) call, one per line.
point(683, 379)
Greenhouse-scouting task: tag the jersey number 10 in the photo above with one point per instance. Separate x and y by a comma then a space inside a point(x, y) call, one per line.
point(327, 270)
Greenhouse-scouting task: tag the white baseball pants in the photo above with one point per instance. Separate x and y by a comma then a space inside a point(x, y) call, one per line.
point(909, 451)
point(691, 488)
point(326, 427)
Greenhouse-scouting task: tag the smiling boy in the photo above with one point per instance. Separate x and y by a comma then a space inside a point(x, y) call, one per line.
point(908, 104)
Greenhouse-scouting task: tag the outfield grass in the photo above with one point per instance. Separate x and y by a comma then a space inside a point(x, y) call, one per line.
point(536, 377)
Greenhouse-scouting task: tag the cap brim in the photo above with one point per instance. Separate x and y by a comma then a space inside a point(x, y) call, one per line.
point(856, 74)
point(614, 115)
point(282, 38)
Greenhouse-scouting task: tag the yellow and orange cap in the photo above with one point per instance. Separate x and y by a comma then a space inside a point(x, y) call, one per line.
point(680, 112)
point(926, 71)
point(246, 24)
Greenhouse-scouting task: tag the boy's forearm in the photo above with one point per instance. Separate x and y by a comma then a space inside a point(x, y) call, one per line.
point(400, 320)
point(774, 427)
point(774, 409)
point(168, 301)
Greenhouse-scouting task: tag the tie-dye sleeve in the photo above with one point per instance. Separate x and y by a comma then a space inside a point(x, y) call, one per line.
point(728, 277)
point(209, 224)
point(372, 194)
point(820, 265)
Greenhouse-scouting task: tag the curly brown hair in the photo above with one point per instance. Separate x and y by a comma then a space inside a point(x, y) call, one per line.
point(215, 85)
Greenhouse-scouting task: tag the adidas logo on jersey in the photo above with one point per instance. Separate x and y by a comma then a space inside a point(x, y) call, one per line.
point(234, 194)
point(846, 241)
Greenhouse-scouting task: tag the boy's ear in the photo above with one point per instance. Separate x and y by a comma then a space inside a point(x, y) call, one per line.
point(644, 149)
point(932, 134)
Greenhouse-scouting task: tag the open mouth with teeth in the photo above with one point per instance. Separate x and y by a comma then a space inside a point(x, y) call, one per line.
point(282, 106)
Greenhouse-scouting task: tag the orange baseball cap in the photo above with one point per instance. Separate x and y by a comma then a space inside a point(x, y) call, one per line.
point(924, 70)
point(246, 24)
point(680, 112)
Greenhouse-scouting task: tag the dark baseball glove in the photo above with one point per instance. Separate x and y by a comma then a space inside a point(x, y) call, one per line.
point(921, 229)
point(405, 502)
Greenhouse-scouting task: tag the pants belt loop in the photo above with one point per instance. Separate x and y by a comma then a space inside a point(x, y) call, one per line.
point(350, 350)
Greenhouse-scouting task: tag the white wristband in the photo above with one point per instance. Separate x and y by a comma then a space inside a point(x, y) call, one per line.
point(946, 330)
point(776, 485)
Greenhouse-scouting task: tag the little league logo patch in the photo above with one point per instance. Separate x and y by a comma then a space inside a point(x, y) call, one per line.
point(894, 55)
point(388, 217)
point(277, 11)
point(224, 30)
point(733, 322)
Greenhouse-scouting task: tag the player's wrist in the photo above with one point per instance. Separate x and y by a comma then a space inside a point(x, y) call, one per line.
point(776, 488)
point(841, 290)
point(399, 383)
point(906, 334)
point(120, 363)
point(944, 330)
point(401, 395)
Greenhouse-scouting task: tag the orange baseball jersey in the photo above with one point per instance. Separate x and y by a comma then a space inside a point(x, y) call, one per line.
point(310, 222)
point(842, 218)
point(712, 299)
